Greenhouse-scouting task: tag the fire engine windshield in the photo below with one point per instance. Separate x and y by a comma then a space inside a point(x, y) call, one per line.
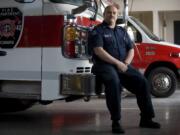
point(73, 2)
point(94, 8)
point(145, 29)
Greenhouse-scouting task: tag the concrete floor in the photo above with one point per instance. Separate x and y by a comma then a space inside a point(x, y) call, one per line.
point(90, 118)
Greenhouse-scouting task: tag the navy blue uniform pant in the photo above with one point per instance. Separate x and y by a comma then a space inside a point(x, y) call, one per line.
point(133, 81)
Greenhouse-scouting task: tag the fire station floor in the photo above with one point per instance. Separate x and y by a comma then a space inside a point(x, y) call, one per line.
point(90, 118)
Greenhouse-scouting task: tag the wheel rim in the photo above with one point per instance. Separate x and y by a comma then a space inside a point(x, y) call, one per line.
point(161, 82)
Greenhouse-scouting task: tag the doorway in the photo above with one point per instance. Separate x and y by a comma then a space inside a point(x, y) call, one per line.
point(177, 32)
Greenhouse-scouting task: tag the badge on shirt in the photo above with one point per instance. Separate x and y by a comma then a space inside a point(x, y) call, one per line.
point(107, 35)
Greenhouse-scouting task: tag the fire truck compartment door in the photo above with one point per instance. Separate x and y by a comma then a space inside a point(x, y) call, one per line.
point(17, 28)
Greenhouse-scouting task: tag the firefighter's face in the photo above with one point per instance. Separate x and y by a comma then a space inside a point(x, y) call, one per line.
point(110, 15)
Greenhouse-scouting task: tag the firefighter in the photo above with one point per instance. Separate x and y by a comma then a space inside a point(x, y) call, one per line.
point(113, 52)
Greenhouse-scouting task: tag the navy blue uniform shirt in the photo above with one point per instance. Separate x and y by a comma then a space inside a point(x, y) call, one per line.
point(115, 41)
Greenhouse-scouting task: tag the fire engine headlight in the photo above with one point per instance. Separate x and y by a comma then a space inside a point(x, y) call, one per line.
point(175, 54)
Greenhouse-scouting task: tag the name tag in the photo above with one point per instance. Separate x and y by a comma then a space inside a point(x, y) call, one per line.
point(107, 36)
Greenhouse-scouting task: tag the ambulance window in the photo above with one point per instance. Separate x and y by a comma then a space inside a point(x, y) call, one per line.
point(25, 1)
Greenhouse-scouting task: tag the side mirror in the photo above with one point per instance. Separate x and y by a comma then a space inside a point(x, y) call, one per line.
point(131, 33)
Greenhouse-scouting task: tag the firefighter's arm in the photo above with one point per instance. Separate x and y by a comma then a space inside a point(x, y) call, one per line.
point(105, 56)
point(129, 57)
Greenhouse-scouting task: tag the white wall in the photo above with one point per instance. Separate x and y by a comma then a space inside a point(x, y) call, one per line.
point(149, 5)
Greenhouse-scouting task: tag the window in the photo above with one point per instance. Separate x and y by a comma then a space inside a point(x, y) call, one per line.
point(73, 2)
point(25, 1)
point(78, 3)
point(145, 29)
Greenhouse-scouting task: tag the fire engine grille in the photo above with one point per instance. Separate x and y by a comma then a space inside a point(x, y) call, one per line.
point(83, 70)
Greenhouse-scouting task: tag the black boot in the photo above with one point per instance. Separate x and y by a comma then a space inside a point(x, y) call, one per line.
point(116, 128)
point(148, 123)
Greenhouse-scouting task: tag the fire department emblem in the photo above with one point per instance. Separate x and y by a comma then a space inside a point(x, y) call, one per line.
point(10, 27)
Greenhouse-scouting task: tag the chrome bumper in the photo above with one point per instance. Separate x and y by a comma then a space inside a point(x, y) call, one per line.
point(78, 84)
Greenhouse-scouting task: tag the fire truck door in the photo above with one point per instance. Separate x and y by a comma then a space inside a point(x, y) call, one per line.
point(20, 39)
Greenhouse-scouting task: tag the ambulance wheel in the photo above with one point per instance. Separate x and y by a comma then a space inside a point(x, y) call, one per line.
point(162, 81)
point(14, 105)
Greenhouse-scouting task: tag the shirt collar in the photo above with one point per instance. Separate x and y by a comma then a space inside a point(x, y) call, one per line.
point(105, 25)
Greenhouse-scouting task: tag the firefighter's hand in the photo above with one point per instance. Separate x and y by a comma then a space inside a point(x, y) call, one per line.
point(121, 67)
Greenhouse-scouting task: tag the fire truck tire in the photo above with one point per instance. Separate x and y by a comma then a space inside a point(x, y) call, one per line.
point(14, 105)
point(162, 81)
